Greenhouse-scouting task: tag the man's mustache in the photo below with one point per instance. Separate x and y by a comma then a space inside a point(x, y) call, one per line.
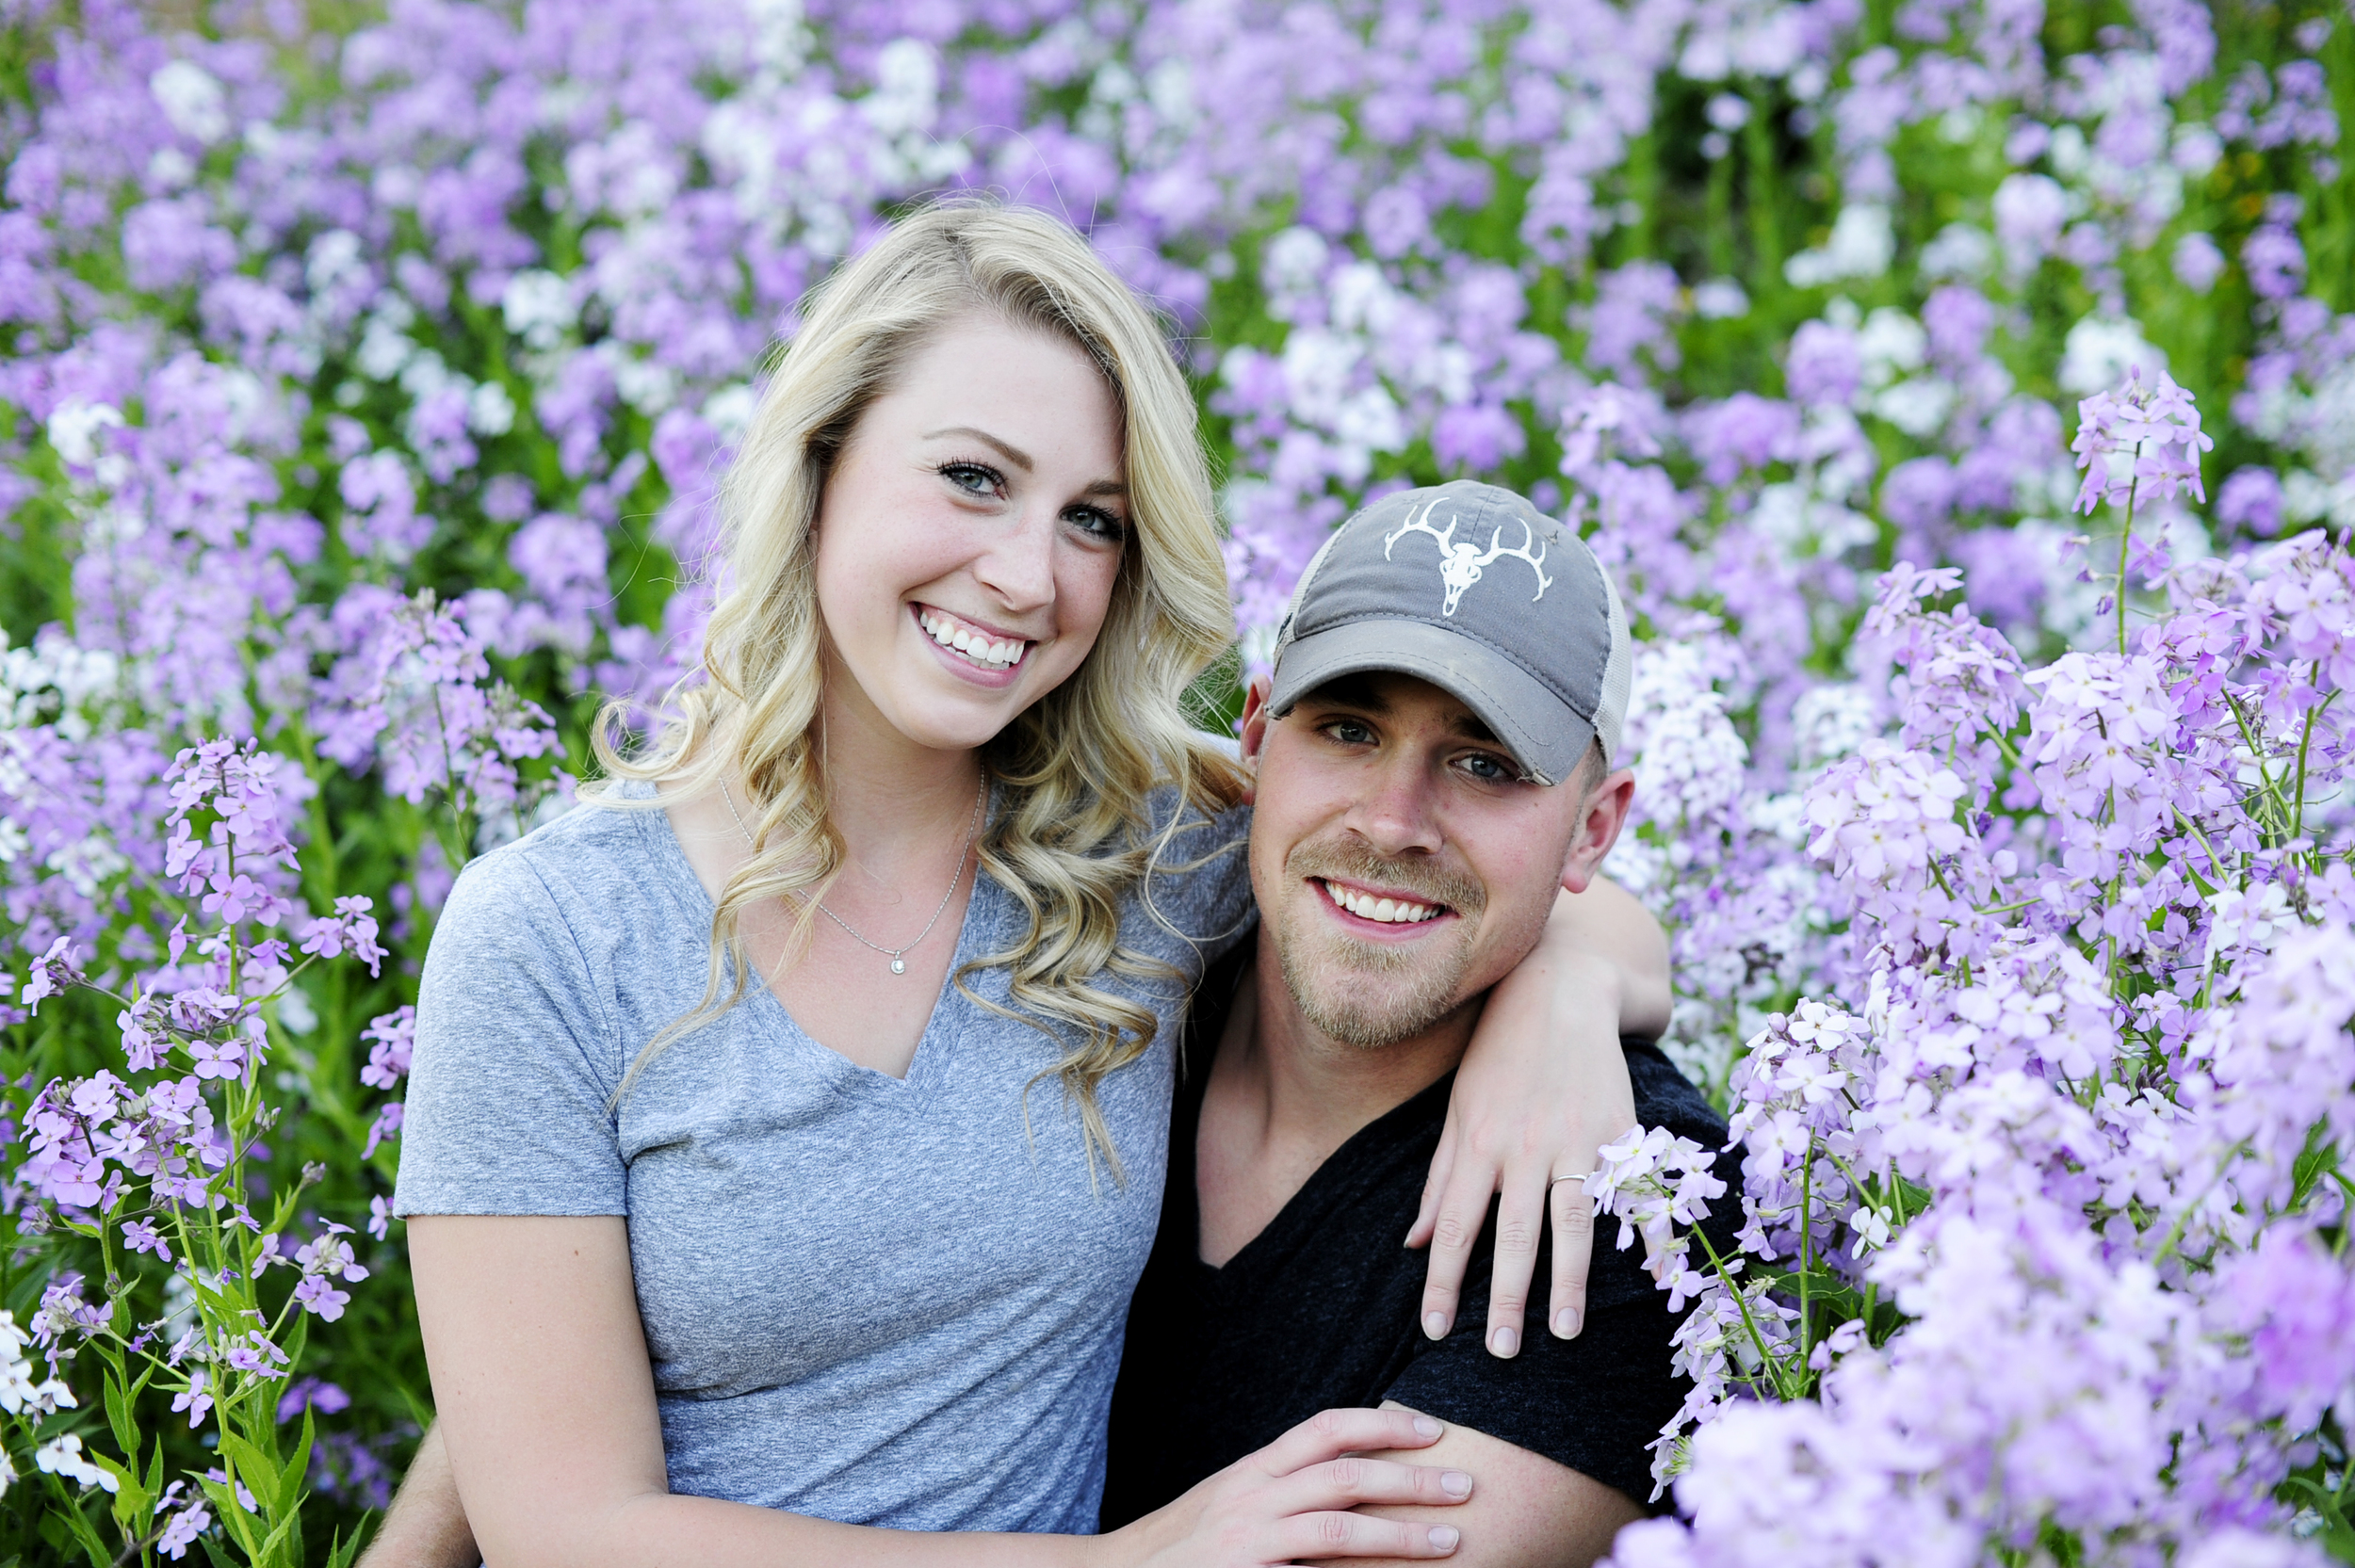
point(1348, 859)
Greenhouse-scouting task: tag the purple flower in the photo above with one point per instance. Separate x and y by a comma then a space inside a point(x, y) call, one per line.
point(2153, 435)
point(140, 1237)
point(222, 1060)
point(193, 1398)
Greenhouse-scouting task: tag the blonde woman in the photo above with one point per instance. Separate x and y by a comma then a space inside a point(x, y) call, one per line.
point(787, 1134)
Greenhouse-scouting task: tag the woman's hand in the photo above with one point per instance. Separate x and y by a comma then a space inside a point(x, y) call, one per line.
point(1542, 1089)
point(1293, 1499)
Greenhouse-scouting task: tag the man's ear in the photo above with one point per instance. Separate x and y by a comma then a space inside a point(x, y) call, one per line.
point(1598, 825)
point(1255, 724)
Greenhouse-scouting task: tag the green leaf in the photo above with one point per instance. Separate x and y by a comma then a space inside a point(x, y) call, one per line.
point(298, 1470)
point(132, 1500)
point(284, 1545)
point(339, 1551)
point(256, 1469)
point(420, 1411)
point(68, 1510)
point(126, 1431)
point(232, 1514)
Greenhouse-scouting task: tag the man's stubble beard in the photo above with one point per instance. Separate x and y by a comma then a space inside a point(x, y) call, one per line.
point(1325, 971)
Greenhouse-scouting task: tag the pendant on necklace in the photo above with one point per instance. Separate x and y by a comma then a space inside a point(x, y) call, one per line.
point(899, 966)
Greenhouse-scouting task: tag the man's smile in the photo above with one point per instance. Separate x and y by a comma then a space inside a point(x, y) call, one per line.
point(1393, 911)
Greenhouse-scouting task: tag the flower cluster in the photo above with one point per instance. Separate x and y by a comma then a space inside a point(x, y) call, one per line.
point(366, 380)
point(2021, 1191)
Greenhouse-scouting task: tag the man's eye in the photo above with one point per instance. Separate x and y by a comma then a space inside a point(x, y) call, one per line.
point(1349, 733)
point(1488, 770)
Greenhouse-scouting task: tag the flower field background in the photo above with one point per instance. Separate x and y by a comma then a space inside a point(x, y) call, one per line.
point(1962, 390)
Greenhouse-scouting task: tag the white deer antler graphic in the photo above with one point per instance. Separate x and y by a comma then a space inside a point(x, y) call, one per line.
point(1460, 564)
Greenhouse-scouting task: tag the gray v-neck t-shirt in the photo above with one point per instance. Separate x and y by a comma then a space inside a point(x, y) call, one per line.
point(874, 1299)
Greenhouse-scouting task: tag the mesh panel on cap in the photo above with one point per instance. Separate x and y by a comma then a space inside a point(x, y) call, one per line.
point(1285, 633)
point(1618, 676)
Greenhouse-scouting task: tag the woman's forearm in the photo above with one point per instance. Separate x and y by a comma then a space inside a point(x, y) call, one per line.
point(664, 1529)
point(1605, 944)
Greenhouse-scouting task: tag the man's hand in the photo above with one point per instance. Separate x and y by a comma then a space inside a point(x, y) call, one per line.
point(1543, 1088)
point(425, 1527)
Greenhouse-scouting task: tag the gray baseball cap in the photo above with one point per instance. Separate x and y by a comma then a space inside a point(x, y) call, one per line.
point(1475, 590)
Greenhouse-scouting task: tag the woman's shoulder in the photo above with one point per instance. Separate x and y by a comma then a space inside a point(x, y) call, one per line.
point(591, 861)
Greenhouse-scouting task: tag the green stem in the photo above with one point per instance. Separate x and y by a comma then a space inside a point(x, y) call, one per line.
point(2125, 538)
point(1807, 1248)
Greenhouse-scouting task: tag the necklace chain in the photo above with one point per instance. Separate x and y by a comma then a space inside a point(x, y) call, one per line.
point(898, 963)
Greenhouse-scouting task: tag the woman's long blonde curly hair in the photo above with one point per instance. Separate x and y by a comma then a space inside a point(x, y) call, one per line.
point(1073, 834)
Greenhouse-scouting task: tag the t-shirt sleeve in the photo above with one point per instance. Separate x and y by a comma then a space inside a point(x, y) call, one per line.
point(1594, 1403)
point(513, 1065)
point(1198, 888)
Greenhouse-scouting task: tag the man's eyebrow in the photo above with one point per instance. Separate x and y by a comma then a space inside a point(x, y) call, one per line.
point(1011, 453)
point(1469, 725)
point(1348, 691)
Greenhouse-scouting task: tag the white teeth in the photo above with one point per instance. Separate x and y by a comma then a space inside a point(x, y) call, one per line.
point(1391, 912)
point(981, 649)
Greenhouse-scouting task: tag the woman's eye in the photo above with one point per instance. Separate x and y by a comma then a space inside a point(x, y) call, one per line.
point(1348, 732)
point(971, 478)
point(1099, 523)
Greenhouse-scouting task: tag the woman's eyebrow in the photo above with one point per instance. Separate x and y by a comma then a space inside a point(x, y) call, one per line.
point(1020, 459)
point(1011, 453)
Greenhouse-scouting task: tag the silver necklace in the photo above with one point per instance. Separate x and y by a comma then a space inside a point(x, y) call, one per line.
point(898, 963)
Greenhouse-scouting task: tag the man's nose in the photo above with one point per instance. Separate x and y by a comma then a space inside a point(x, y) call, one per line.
point(1019, 564)
point(1397, 814)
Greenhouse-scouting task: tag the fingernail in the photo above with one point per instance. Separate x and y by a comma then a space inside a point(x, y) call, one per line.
point(1443, 1537)
point(1565, 1323)
point(1503, 1341)
point(1426, 1426)
point(1433, 1325)
point(1455, 1484)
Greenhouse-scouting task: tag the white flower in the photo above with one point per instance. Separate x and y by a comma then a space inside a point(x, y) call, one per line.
point(73, 427)
point(537, 306)
point(490, 411)
point(2099, 352)
point(62, 1456)
point(1861, 245)
point(1720, 300)
point(907, 77)
point(192, 100)
point(1960, 250)
point(2251, 917)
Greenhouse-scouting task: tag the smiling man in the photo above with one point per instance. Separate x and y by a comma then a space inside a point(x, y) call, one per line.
point(1433, 763)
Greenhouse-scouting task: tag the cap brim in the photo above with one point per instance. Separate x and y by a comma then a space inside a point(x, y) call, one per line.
point(1545, 735)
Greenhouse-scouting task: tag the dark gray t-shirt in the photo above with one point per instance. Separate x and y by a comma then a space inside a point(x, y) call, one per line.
point(879, 1300)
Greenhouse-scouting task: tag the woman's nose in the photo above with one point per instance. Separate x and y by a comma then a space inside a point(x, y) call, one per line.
point(1019, 564)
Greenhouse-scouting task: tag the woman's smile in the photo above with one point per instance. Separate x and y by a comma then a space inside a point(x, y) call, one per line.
point(970, 648)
